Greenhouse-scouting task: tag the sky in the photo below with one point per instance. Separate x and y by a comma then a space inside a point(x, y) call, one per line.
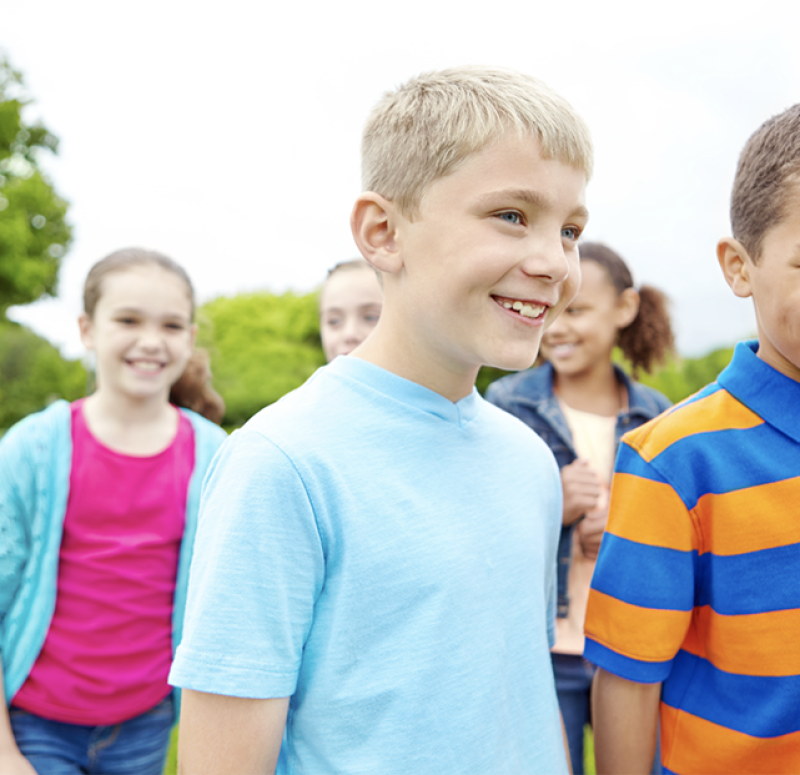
point(226, 135)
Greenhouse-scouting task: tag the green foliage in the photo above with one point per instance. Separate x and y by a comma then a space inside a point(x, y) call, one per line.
point(33, 374)
point(680, 378)
point(34, 234)
point(262, 346)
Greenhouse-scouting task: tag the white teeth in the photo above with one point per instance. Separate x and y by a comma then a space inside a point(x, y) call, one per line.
point(530, 311)
point(146, 365)
point(526, 310)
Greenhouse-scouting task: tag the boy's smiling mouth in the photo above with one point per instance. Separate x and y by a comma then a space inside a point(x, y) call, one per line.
point(528, 309)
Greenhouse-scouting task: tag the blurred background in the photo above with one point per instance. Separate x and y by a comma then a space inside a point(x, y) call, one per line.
point(227, 136)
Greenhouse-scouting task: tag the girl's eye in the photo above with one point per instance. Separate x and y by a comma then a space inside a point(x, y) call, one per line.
point(571, 233)
point(175, 326)
point(510, 217)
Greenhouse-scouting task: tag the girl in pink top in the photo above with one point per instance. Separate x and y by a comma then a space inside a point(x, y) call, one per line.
point(92, 593)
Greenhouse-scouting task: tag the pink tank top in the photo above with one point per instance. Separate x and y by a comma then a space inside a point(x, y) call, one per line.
point(109, 646)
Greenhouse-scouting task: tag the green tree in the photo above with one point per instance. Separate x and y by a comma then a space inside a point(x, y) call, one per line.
point(680, 378)
point(33, 374)
point(34, 233)
point(262, 346)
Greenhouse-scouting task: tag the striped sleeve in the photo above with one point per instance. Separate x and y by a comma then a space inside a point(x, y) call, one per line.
point(642, 595)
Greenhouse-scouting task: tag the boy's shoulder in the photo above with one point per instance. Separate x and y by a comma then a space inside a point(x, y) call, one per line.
point(748, 394)
point(352, 403)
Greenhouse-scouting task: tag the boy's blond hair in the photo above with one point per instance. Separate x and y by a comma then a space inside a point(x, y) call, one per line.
point(424, 129)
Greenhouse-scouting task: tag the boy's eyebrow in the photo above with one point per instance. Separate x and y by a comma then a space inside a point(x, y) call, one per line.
point(532, 198)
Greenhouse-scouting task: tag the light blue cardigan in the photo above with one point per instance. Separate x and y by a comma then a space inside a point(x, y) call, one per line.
point(35, 462)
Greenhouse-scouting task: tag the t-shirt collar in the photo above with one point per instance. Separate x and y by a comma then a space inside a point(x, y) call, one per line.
point(411, 393)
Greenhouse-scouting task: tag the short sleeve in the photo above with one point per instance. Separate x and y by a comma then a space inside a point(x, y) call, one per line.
point(642, 595)
point(257, 569)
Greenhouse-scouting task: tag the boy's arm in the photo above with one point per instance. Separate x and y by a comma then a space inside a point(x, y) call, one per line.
point(625, 723)
point(229, 735)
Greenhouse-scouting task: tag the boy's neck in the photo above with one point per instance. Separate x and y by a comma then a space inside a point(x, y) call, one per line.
point(597, 391)
point(402, 357)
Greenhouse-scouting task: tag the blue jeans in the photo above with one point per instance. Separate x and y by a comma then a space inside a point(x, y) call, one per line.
point(135, 747)
point(573, 676)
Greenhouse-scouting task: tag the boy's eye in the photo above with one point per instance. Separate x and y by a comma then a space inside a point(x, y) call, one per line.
point(571, 233)
point(126, 321)
point(510, 217)
point(175, 326)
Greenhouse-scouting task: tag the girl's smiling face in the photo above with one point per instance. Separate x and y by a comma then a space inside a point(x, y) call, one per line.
point(141, 332)
point(584, 335)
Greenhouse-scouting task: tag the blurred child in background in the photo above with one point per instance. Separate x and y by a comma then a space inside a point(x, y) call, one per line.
point(98, 508)
point(349, 307)
point(581, 403)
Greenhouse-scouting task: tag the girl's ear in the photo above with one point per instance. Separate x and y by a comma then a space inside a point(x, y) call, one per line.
point(86, 329)
point(374, 225)
point(735, 262)
point(627, 308)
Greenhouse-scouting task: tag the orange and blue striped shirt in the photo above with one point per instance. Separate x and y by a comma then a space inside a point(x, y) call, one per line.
point(698, 580)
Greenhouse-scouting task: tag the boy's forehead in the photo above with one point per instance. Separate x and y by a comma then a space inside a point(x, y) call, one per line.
point(513, 168)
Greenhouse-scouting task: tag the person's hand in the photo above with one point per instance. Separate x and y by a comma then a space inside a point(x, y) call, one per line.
point(14, 763)
point(582, 489)
point(591, 529)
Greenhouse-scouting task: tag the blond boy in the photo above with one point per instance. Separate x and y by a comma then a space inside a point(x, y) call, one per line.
point(695, 602)
point(374, 582)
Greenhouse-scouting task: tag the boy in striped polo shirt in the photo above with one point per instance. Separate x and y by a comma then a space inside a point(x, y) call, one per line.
point(695, 601)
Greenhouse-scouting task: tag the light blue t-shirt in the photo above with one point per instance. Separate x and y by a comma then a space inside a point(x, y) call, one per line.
point(388, 559)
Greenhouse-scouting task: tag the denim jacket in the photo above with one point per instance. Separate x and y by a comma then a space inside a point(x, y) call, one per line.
point(529, 396)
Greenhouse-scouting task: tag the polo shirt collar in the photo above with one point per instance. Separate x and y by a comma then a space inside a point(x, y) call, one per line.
point(764, 390)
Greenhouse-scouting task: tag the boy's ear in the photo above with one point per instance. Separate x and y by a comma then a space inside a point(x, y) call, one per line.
point(736, 264)
point(374, 226)
point(85, 327)
point(627, 307)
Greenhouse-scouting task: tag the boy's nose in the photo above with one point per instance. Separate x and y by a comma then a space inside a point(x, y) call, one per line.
point(546, 259)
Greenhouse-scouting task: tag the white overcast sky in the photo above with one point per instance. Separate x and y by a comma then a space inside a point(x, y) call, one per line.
point(227, 134)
